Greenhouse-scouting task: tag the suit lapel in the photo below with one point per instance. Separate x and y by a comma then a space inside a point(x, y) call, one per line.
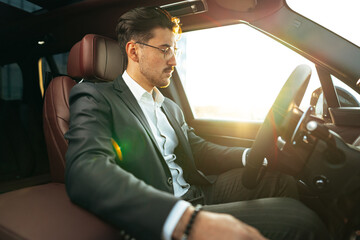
point(189, 164)
point(128, 98)
point(174, 123)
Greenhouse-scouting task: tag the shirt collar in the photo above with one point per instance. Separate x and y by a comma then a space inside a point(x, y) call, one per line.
point(139, 92)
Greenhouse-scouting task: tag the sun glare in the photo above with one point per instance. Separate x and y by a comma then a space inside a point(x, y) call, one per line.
point(341, 17)
point(236, 73)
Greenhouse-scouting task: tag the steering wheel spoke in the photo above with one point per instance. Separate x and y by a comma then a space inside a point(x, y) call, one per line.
point(265, 144)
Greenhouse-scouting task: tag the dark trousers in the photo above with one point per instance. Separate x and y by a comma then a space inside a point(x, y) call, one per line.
point(270, 207)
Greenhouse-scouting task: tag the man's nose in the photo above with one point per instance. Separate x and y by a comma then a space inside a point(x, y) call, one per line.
point(172, 61)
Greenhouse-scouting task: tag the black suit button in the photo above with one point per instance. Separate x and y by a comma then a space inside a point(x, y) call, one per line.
point(170, 181)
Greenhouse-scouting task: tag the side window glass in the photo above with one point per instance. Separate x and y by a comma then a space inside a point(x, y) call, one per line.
point(61, 62)
point(49, 70)
point(346, 95)
point(235, 72)
point(11, 82)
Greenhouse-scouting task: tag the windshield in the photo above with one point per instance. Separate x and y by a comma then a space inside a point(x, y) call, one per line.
point(341, 17)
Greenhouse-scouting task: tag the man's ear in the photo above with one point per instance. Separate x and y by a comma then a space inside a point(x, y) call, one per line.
point(132, 51)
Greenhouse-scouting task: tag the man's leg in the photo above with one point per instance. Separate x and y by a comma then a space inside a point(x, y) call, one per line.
point(229, 188)
point(276, 218)
point(274, 213)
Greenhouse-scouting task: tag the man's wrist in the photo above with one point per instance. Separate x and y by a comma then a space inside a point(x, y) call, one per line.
point(244, 156)
point(181, 226)
point(191, 222)
point(173, 218)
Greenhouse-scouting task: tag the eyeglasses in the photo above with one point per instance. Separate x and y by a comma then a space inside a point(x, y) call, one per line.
point(169, 52)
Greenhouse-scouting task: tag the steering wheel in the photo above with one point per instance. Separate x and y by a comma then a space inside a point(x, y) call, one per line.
point(289, 96)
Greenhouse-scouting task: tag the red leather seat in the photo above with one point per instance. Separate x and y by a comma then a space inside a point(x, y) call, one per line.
point(94, 58)
point(45, 212)
point(56, 123)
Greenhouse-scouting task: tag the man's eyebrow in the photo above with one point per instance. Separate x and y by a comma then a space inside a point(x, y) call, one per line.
point(165, 45)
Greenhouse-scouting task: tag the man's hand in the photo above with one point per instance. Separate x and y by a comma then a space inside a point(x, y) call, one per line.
point(208, 226)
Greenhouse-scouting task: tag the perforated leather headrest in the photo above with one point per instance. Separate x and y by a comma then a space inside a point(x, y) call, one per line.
point(95, 57)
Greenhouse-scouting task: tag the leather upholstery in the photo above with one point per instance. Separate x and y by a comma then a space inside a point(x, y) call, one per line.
point(94, 58)
point(56, 123)
point(46, 212)
point(356, 143)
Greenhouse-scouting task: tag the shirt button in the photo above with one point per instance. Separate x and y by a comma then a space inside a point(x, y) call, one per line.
point(170, 181)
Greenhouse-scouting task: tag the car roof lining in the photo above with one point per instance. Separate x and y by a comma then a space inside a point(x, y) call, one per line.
point(65, 25)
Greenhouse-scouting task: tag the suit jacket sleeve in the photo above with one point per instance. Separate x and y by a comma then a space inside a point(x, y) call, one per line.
point(212, 158)
point(209, 158)
point(93, 179)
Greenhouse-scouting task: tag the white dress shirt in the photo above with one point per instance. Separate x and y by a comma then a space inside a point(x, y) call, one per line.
point(167, 141)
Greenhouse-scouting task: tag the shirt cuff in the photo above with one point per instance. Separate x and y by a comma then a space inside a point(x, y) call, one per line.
point(243, 158)
point(173, 218)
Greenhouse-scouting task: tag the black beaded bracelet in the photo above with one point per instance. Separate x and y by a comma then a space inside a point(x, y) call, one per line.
point(191, 221)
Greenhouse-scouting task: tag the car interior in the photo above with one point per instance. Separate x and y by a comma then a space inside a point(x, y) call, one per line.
point(87, 60)
point(47, 50)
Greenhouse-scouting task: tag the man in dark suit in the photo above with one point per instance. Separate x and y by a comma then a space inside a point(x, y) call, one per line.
point(163, 165)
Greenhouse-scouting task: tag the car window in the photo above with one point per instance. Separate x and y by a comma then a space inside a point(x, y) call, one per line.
point(341, 17)
point(235, 72)
point(23, 5)
point(11, 82)
point(348, 90)
point(46, 73)
point(347, 97)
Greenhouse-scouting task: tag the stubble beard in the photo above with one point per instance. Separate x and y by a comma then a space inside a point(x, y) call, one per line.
point(153, 78)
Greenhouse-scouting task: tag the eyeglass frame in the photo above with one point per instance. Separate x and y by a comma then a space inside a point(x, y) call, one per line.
point(165, 51)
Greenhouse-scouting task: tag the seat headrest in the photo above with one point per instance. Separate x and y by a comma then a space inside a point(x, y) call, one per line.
point(95, 57)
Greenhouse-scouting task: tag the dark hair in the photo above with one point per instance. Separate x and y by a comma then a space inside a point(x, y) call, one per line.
point(138, 23)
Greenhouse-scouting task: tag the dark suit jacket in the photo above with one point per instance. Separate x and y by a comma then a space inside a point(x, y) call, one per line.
point(133, 193)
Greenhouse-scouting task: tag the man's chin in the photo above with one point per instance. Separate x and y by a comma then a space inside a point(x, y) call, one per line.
point(166, 83)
